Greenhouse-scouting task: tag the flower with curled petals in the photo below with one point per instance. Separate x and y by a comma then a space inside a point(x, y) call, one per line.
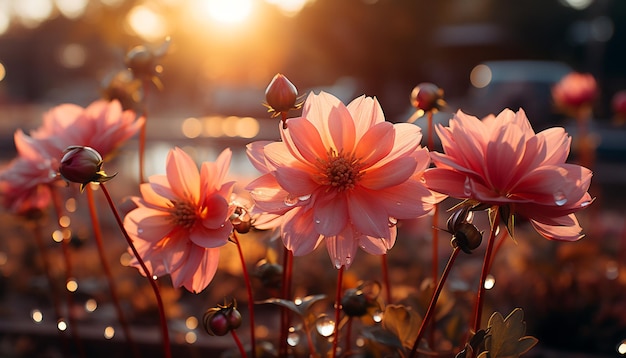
point(342, 175)
point(575, 93)
point(182, 220)
point(501, 162)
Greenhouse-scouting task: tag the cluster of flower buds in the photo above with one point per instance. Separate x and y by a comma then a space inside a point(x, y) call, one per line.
point(83, 165)
point(281, 96)
point(357, 302)
point(220, 320)
point(465, 235)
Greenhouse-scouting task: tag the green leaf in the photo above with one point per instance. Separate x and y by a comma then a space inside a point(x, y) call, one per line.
point(379, 335)
point(506, 336)
point(403, 322)
point(300, 309)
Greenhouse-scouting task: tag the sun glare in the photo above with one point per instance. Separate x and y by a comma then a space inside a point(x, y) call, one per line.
point(227, 11)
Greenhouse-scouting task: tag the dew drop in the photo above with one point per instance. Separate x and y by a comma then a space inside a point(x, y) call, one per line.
point(304, 197)
point(293, 337)
point(392, 221)
point(318, 221)
point(467, 187)
point(348, 260)
point(470, 217)
point(377, 316)
point(325, 326)
point(621, 347)
point(490, 281)
point(139, 231)
point(559, 198)
point(290, 200)
point(585, 204)
point(337, 264)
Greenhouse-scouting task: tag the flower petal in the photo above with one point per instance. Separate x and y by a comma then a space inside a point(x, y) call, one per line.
point(378, 246)
point(298, 232)
point(375, 144)
point(183, 175)
point(393, 173)
point(342, 248)
point(341, 128)
point(330, 215)
point(366, 112)
point(148, 224)
point(568, 230)
point(366, 215)
point(306, 140)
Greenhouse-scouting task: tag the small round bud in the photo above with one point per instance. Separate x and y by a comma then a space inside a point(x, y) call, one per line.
point(354, 303)
point(82, 165)
point(241, 220)
point(270, 274)
point(141, 62)
point(281, 95)
point(220, 320)
point(467, 237)
point(427, 97)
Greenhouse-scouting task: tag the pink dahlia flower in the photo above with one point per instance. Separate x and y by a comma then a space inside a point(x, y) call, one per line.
point(575, 90)
point(500, 161)
point(24, 184)
point(342, 175)
point(182, 219)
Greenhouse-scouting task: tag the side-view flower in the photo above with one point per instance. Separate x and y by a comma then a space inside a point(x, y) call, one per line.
point(500, 161)
point(182, 219)
point(343, 175)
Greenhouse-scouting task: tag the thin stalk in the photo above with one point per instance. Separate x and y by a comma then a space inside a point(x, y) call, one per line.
point(286, 295)
point(242, 351)
point(65, 246)
point(433, 302)
point(349, 335)
point(386, 278)
point(337, 309)
point(167, 349)
point(97, 232)
point(480, 297)
point(246, 278)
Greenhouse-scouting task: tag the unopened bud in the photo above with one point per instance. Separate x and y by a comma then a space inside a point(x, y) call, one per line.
point(427, 97)
point(82, 165)
point(281, 96)
point(220, 320)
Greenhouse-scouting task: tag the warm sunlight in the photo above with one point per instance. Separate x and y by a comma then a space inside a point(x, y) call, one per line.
point(227, 11)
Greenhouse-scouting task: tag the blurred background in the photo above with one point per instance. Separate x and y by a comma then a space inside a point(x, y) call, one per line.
point(486, 54)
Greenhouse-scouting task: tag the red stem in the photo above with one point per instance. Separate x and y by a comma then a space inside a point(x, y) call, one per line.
point(167, 350)
point(435, 230)
point(242, 351)
point(107, 271)
point(338, 309)
point(348, 336)
point(386, 278)
point(65, 245)
point(433, 301)
point(142, 149)
point(478, 309)
point(246, 278)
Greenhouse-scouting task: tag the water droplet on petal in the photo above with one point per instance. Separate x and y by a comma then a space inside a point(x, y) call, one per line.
point(325, 326)
point(337, 263)
point(290, 200)
point(140, 231)
point(348, 260)
point(293, 337)
point(585, 204)
point(318, 221)
point(559, 198)
point(304, 197)
point(467, 187)
point(392, 221)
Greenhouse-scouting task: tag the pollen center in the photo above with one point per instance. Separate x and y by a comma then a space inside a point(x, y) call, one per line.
point(183, 214)
point(339, 171)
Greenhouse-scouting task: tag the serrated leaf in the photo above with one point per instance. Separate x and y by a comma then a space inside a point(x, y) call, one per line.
point(506, 335)
point(403, 322)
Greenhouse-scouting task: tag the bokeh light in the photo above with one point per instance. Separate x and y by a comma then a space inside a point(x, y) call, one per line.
point(72, 9)
point(147, 23)
point(480, 76)
point(33, 12)
point(3, 72)
point(72, 55)
point(226, 11)
point(109, 332)
point(36, 315)
point(91, 305)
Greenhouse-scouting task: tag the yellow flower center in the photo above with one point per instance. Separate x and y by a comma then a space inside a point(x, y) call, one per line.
point(339, 171)
point(183, 214)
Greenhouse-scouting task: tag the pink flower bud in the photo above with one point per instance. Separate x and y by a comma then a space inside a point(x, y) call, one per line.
point(82, 165)
point(427, 97)
point(619, 103)
point(575, 90)
point(281, 95)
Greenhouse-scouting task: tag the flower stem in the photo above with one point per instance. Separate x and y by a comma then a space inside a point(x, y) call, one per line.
point(286, 295)
point(97, 232)
point(348, 336)
point(246, 278)
point(433, 302)
point(480, 296)
point(65, 246)
point(242, 351)
point(386, 278)
point(431, 138)
point(167, 350)
point(435, 230)
point(337, 309)
point(142, 149)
